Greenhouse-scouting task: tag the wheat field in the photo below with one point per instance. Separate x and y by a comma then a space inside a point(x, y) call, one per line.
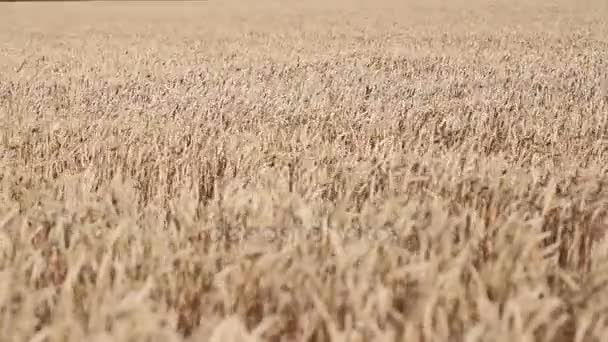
point(304, 171)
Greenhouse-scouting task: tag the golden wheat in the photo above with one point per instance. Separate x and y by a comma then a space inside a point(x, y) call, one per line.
point(328, 170)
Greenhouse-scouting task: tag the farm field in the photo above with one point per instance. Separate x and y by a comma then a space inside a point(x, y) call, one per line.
point(304, 171)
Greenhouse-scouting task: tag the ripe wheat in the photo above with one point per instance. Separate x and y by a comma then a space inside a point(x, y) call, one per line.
point(328, 170)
